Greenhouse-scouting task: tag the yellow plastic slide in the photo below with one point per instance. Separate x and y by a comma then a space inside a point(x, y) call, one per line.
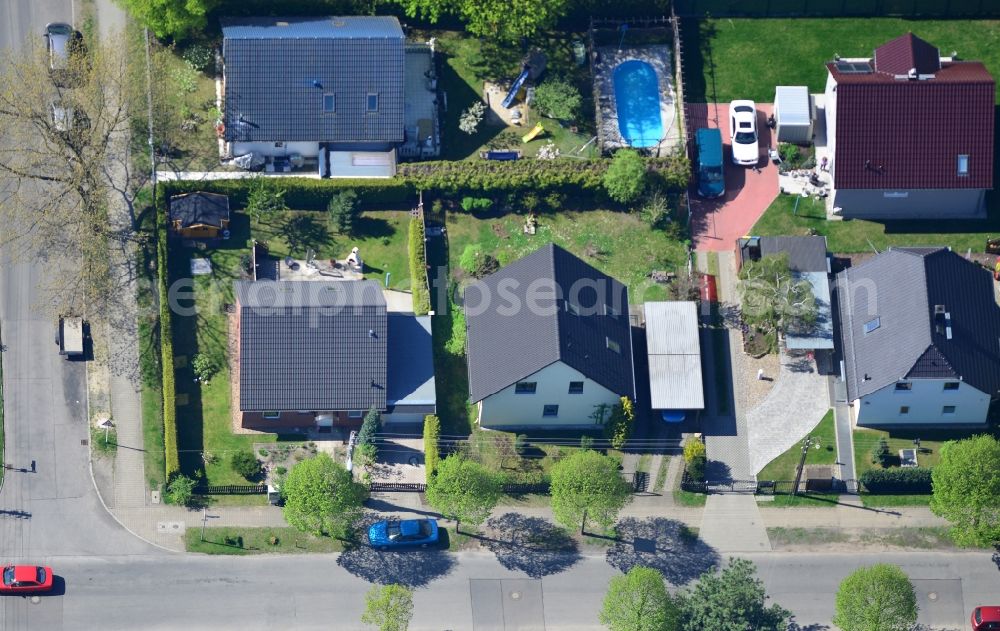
point(537, 129)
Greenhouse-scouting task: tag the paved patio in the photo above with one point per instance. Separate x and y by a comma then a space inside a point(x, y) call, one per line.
point(797, 402)
point(717, 223)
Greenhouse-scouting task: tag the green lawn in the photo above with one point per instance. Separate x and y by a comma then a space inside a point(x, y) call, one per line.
point(687, 498)
point(258, 541)
point(858, 235)
point(204, 410)
point(783, 467)
point(930, 445)
point(807, 500)
point(619, 244)
point(881, 501)
point(726, 59)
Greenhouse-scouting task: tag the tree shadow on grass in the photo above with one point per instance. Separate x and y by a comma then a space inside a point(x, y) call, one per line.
point(410, 567)
point(303, 232)
point(665, 545)
point(531, 545)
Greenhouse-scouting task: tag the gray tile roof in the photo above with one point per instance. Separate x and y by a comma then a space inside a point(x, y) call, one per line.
point(805, 254)
point(276, 77)
point(210, 209)
point(508, 340)
point(902, 287)
point(312, 345)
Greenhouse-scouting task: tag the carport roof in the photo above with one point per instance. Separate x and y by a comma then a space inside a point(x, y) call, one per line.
point(674, 356)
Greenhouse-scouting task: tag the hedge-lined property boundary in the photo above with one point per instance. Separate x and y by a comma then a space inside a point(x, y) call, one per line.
point(418, 267)
point(898, 481)
point(171, 455)
point(432, 432)
point(463, 176)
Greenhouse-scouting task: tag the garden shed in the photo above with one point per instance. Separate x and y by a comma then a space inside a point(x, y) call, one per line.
point(793, 114)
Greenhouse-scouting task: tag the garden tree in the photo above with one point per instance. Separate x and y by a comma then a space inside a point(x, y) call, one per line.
point(471, 117)
point(880, 452)
point(504, 20)
point(173, 19)
point(638, 601)
point(464, 489)
point(264, 198)
point(388, 607)
point(321, 497)
point(625, 179)
point(367, 450)
point(587, 485)
point(772, 298)
point(620, 423)
point(557, 99)
point(59, 169)
point(732, 600)
point(204, 367)
point(245, 463)
point(695, 459)
point(477, 263)
point(966, 487)
point(180, 491)
point(876, 598)
point(343, 210)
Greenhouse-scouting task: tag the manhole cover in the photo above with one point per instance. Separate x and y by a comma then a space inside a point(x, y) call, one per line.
point(35, 600)
point(932, 596)
point(84, 442)
point(515, 595)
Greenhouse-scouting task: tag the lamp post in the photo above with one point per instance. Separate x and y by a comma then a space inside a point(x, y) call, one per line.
point(806, 444)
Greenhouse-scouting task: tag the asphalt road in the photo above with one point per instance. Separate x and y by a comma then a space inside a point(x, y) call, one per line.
point(473, 592)
point(53, 510)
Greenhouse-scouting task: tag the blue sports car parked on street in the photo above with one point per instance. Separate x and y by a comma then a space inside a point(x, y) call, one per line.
point(398, 533)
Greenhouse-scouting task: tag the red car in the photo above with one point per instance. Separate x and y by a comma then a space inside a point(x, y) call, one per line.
point(22, 579)
point(986, 619)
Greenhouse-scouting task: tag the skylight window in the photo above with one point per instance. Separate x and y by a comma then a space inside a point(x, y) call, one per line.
point(871, 325)
point(963, 164)
point(372, 102)
point(329, 103)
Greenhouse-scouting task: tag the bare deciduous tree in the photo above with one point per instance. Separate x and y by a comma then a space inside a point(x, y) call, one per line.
point(62, 156)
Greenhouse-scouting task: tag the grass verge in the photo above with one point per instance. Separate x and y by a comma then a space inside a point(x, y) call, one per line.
point(880, 501)
point(780, 536)
point(687, 498)
point(784, 466)
point(243, 541)
point(812, 500)
point(105, 442)
point(2, 452)
point(661, 474)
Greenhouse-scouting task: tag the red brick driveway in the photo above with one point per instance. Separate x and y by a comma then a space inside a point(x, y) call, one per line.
point(717, 223)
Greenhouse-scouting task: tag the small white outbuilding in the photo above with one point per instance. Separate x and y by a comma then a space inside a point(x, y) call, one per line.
point(793, 113)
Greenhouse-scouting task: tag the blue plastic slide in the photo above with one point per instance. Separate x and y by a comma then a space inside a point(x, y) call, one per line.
point(521, 78)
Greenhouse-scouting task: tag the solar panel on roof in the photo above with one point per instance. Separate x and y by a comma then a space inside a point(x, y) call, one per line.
point(854, 67)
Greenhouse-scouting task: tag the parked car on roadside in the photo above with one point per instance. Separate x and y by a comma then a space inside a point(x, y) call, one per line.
point(986, 618)
point(62, 41)
point(399, 533)
point(25, 579)
point(743, 132)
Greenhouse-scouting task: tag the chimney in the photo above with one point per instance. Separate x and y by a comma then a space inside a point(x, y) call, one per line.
point(912, 74)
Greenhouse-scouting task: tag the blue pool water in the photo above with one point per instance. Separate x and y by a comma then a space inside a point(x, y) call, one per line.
point(637, 97)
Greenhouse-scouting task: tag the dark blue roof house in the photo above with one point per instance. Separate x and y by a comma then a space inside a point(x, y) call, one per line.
point(326, 89)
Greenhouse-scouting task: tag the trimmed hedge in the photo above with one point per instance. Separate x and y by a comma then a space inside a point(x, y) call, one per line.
point(171, 454)
point(432, 431)
point(898, 481)
point(485, 176)
point(304, 193)
point(418, 267)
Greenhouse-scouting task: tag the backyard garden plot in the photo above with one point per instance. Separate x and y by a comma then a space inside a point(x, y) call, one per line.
point(466, 62)
point(858, 235)
point(619, 244)
point(204, 408)
point(727, 59)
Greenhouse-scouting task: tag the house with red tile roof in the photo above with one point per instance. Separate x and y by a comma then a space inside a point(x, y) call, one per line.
point(910, 133)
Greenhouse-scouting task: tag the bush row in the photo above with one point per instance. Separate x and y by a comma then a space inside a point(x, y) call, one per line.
point(466, 176)
point(305, 193)
point(897, 480)
point(171, 454)
point(418, 267)
point(432, 431)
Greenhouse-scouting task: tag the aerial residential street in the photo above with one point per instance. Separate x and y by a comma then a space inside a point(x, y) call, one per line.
point(670, 436)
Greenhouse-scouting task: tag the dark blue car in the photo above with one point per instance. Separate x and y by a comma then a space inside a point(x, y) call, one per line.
point(399, 533)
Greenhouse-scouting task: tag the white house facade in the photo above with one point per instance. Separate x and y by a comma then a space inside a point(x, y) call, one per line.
point(937, 402)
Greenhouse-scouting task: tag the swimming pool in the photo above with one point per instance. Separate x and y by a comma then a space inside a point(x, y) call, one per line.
point(637, 100)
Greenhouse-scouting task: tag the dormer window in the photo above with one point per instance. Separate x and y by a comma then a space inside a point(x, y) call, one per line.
point(963, 164)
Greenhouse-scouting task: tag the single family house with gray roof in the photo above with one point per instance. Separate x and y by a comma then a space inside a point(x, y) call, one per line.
point(549, 342)
point(920, 338)
point(323, 88)
point(318, 354)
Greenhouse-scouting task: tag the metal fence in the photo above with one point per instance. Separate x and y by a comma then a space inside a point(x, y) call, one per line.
point(837, 8)
point(765, 487)
point(231, 489)
point(639, 481)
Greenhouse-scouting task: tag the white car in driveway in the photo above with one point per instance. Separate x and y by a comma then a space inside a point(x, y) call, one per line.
point(743, 132)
